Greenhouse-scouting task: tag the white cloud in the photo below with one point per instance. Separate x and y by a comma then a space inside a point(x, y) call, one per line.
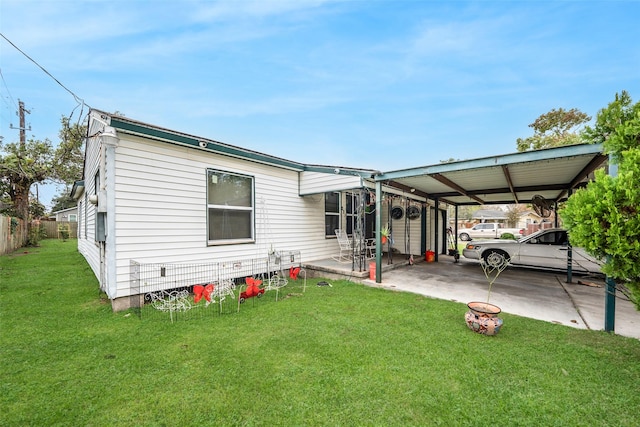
point(237, 10)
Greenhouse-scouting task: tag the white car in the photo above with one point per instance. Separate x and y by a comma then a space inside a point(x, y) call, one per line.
point(545, 248)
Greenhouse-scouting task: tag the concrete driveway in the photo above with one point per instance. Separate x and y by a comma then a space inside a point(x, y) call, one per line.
point(525, 292)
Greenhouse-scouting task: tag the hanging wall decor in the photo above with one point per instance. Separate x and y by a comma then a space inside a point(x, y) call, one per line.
point(413, 212)
point(397, 212)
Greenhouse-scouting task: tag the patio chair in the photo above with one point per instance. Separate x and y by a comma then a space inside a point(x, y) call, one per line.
point(346, 247)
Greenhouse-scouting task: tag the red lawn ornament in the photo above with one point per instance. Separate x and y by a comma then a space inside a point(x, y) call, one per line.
point(253, 289)
point(200, 291)
point(293, 272)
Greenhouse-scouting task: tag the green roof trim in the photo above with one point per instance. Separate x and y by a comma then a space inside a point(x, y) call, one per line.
point(336, 170)
point(192, 141)
point(501, 160)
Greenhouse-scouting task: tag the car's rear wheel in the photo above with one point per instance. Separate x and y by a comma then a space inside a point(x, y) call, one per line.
point(464, 237)
point(496, 257)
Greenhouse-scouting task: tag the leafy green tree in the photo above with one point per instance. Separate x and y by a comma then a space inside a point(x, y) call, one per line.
point(555, 128)
point(36, 209)
point(34, 161)
point(63, 200)
point(22, 165)
point(622, 111)
point(604, 217)
point(513, 214)
point(69, 156)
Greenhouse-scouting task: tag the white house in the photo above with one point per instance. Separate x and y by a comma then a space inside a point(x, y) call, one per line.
point(154, 195)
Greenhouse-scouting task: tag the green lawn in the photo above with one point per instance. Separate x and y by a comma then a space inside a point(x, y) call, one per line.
point(342, 356)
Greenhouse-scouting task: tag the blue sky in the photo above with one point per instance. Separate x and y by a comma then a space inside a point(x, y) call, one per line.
point(374, 84)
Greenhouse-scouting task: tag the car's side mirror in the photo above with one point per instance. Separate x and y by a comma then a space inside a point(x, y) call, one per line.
point(534, 241)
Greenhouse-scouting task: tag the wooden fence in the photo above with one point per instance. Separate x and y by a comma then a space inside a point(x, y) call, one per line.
point(13, 234)
point(52, 227)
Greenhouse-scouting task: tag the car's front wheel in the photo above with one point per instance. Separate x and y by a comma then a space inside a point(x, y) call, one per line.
point(464, 237)
point(496, 258)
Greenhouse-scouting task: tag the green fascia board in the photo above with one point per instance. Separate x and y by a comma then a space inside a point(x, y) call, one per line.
point(213, 146)
point(502, 160)
point(337, 170)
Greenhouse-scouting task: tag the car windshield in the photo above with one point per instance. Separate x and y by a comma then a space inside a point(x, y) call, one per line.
point(534, 235)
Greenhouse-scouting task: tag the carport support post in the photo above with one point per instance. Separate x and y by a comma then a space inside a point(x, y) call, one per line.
point(435, 235)
point(610, 305)
point(610, 294)
point(378, 236)
point(455, 232)
point(569, 249)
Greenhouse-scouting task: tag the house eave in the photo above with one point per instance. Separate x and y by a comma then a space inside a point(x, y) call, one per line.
point(77, 190)
point(204, 144)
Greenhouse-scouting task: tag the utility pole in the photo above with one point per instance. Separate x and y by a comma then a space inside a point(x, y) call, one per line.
point(22, 128)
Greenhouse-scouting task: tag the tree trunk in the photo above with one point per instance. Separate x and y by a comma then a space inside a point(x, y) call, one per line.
point(20, 198)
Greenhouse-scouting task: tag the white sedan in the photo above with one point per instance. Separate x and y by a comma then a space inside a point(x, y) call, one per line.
point(545, 248)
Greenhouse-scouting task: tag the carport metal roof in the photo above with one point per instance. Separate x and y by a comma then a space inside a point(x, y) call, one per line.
point(509, 178)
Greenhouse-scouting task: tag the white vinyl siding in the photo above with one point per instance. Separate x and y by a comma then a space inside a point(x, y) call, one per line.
point(86, 242)
point(319, 183)
point(161, 208)
point(157, 208)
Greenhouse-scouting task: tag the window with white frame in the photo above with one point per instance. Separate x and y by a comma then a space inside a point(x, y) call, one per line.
point(230, 208)
point(331, 213)
point(353, 200)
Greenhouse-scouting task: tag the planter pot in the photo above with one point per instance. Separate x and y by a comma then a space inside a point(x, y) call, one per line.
point(483, 318)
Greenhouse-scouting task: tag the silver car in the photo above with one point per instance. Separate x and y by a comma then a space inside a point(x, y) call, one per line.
point(545, 248)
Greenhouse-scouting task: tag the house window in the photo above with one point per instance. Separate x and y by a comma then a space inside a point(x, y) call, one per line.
point(100, 233)
point(73, 218)
point(353, 200)
point(230, 208)
point(331, 213)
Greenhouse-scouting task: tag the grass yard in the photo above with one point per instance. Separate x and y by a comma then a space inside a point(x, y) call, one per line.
point(344, 355)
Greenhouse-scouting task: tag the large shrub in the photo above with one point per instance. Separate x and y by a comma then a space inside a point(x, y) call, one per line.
point(604, 217)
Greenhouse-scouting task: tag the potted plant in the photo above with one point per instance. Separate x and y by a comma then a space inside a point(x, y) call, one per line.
point(482, 317)
point(384, 233)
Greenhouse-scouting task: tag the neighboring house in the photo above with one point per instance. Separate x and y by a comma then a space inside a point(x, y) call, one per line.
point(153, 195)
point(69, 214)
point(529, 217)
point(490, 215)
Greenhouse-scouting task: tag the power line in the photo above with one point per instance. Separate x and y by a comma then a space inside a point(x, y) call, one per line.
point(76, 97)
point(8, 91)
